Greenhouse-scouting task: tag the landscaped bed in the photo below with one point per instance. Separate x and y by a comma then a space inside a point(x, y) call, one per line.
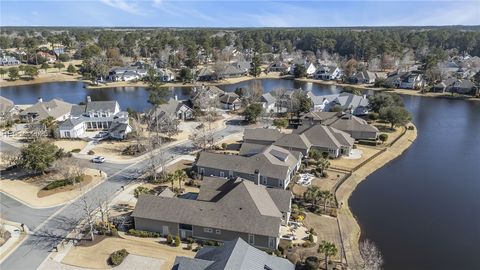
point(64, 185)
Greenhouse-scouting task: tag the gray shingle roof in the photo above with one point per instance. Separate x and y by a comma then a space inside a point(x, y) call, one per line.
point(246, 208)
point(327, 137)
point(268, 98)
point(54, 108)
point(170, 108)
point(5, 105)
point(234, 255)
point(229, 98)
point(299, 141)
point(70, 123)
point(262, 134)
point(248, 149)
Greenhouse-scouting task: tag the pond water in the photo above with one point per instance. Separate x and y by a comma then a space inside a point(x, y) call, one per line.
point(422, 209)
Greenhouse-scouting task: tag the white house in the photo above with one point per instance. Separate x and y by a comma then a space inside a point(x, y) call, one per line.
point(166, 75)
point(328, 73)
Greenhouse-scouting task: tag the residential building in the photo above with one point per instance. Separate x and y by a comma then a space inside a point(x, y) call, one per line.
point(206, 97)
point(230, 101)
point(223, 211)
point(9, 61)
point(96, 116)
point(7, 108)
point(173, 109)
point(206, 74)
point(405, 80)
point(243, 65)
point(328, 73)
point(310, 68)
point(355, 104)
point(363, 77)
point(279, 66)
point(328, 139)
point(166, 75)
point(358, 128)
point(272, 167)
point(126, 74)
point(268, 102)
point(233, 255)
point(50, 58)
point(56, 108)
point(462, 86)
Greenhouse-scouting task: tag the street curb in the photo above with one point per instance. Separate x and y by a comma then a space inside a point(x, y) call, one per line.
point(26, 234)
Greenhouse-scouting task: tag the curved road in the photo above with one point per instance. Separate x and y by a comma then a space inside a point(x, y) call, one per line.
point(48, 227)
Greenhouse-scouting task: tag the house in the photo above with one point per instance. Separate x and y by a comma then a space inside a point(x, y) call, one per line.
point(357, 105)
point(173, 109)
point(462, 86)
point(358, 128)
point(223, 211)
point(233, 255)
point(7, 108)
point(50, 58)
point(126, 74)
point(9, 61)
point(328, 73)
point(206, 97)
point(243, 65)
point(284, 99)
point(310, 68)
point(95, 116)
point(272, 167)
point(405, 80)
point(268, 102)
point(328, 139)
point(231, 71)
point(166, 75)
point(279, 66)
point(206, 74)
point(319, 137)
point(443, 85)
point(230, 101)
point(363, 77)
point(56, 108)
point(58, 50)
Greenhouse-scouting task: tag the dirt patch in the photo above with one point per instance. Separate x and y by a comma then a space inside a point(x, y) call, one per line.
point(69, 145)
point(112, 149)
point(179, 165)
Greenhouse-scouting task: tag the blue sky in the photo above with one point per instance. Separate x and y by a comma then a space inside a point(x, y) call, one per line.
point(227, 13)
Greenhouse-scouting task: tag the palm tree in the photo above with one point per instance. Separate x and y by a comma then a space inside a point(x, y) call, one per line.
point(171, 177)
point(328, 249)
point(181, 175)
point(312, 194)
point(326, 197)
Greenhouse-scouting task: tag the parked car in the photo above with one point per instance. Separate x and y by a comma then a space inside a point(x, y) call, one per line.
point(288, 237)
point(101, 135)
point(98, 159)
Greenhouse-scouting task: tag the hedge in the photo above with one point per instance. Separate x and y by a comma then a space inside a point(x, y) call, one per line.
point(76, 150)
point(62, 183)
point(144, 234)
point(117, 257)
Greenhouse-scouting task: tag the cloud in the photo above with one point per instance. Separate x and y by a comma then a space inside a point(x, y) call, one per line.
point(127, 6)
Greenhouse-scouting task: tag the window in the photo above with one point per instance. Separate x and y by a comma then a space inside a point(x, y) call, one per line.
point(251, 239)
point(264, 180)
point(218, 232)
point(222, 174)
point(202, 171)
point(271, 242)
point(207, 230)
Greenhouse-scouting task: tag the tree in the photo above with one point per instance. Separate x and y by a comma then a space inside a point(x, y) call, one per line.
point(255, 69)
point(50, 124)
point(383, 137)
point(301, 103)
point(59, 65)
point(177, 241)
point(31, 71)
point(3, 72)
point(71, 69)
point(181, 176)
point(252, 112)
point(64, 57)
point(45, 66)
point(328, 249)
point(350, 67)
point(326, 197)
point(140, 190)
point(38, 156)
point(13, 73)
point(171, 177)
point(371, 255)
point(395, 115)
point(186, 75)
point(280, 123)
point(323, 164)
point(299, 71)
point(157, 94)
point(381, 100)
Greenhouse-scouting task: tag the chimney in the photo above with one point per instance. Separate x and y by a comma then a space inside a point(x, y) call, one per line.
point(89, 99)
point(40, 99)
point(258, 177)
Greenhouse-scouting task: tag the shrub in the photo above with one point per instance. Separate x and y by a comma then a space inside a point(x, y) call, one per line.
point(312, 263)
point(411, 127)
point(189, 246)
point(324, 174)
point(117, 257)
point(177, 241)
point(76, 150)
point(140, 191)
point(280, 123)
point(278, 253)
point(373, 116)
point(224, 146)
point(310, 237)
point(62, 183)
point(383, 137)
point(143, 234)
point(354, 146)
point(169, 239)
point(91, 152)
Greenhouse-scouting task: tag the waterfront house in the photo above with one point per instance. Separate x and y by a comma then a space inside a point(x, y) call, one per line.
point(328, 139)
point(234, 254)
point(443, 85)
point(462, 86)
point(166, 75)
point(325, 72)
point(9, 61)
point(206, 97)
point(171, 110)
point(243, 65)
point(358, 128)
point(206, 74)
point(279, 66)
point(96, 116)
point(363, 77)
point(126, 74)
point(355, 104)
point(405, 80)
point(273, 166)
point(268, 102)
point(223, 211)
point(58, 109)
point(7, 109)
point(310, 68)
point(230, 101)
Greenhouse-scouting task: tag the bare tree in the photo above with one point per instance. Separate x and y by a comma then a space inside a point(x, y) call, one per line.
point(372, 258)
point(88, 212)
point(203, 138)
point(219, 69)
point(69, 169)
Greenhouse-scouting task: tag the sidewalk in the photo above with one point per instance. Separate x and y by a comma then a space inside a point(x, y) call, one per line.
point(16, 238)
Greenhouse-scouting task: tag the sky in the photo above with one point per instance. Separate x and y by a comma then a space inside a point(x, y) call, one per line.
point(235, 13)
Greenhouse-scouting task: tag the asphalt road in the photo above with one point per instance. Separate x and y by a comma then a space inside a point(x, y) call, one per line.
point(50, 226)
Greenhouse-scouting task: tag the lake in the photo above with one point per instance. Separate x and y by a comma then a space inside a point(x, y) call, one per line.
point(422, 209)
point(137, 97)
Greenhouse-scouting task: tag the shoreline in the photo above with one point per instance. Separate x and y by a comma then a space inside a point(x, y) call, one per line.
point(63, 77)
point(350, 230)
